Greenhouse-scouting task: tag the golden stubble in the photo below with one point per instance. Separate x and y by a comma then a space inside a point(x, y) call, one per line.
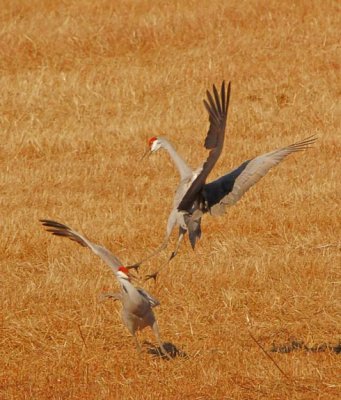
point(83, 85)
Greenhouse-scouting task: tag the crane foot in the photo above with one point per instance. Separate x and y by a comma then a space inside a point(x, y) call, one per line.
point(151, 276)
point(134, 266)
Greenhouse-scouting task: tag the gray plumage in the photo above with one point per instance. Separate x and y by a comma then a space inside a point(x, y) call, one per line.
point(194, 196)
point(217, 108)
point(228, 190)
point(137, 303)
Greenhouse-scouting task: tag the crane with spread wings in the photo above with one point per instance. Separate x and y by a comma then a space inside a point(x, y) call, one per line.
point(194, 197)
point(137, 303)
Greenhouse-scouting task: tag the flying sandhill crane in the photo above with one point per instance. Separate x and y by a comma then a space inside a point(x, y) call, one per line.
point(137, 304)
point(194, 197)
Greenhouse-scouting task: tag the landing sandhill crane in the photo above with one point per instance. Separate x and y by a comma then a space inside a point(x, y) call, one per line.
point(137, 304)
point(194, 197)
point(217, 108)
point(214, 197)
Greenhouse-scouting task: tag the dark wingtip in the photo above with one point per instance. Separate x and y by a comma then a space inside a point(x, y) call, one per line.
point(228, 96)
point(53, 224)
point(304, 144)
point(44, 221)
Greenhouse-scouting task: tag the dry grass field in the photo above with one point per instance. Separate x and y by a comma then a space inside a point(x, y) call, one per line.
point(83, 85)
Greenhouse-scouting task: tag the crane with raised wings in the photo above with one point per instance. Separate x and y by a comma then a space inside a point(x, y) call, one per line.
point(194, 197)
point(137, 303)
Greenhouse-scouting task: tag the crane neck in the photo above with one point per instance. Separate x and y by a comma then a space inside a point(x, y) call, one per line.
point(128, 288)
point(184, 170)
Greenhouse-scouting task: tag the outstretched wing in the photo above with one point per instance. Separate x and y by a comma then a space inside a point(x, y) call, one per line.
point(151, 300)
point(59, 229)
point(228, 189)
point(217, 109)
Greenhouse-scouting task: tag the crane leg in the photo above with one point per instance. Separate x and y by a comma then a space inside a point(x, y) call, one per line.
point(164, 244)
point(137, 344)
point(157, 336)
point(174, 253)
point(180, 238)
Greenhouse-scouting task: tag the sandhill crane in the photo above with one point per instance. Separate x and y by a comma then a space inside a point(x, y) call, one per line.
point(137, 303)
point(224, 192)
point(194, 197)
point(217, 108)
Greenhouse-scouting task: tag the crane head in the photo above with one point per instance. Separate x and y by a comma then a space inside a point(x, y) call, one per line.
point(154, 144)
point(123, 273)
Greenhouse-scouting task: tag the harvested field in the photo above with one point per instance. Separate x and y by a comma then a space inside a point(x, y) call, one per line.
point(255, 310)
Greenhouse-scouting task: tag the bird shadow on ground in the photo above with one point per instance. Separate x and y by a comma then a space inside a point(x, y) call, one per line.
point(171, 349)
point(295, 345)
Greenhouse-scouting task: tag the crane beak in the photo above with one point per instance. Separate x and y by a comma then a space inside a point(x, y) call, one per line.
point(148, 152)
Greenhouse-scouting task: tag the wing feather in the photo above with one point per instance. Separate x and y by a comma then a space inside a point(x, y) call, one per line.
point(151, 300)
point(227, 190)
point(217, 110)
point(212, 106)
point(217, 99)
point(59, 229)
